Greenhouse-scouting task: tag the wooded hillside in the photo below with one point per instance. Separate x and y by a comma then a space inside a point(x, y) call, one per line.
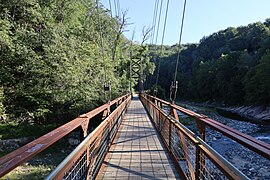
point(231, 66)
point(56, 56)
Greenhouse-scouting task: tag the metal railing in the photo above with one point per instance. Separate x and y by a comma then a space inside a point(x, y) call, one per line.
point(110, 125)
point(85, 161)
point(195, 158)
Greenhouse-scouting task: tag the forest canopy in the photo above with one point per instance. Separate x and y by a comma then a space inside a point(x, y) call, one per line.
point(56, 56)
point(231, 66)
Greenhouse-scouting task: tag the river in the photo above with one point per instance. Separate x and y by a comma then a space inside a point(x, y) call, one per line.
point(251, 164)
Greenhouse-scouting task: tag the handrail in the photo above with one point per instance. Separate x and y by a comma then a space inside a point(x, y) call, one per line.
point(93, 149)
point(26, 152)
point(200, 160)
point(253, 144)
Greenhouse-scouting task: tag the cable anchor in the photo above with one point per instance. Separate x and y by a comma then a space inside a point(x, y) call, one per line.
point(107, 86)
point(107, 90)
point(173, 90)
point(155, 91)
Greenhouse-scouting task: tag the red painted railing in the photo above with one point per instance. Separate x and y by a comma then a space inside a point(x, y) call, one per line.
point(23, 154)
point(85, 161)
point(195, 158)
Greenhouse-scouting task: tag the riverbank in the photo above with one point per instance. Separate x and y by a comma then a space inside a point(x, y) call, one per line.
point(251, 164)
point(255, 114)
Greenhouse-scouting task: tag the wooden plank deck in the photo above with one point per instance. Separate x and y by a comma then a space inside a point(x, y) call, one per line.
point(137, 151)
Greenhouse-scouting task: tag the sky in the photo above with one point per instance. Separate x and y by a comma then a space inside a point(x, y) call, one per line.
point(203, 17)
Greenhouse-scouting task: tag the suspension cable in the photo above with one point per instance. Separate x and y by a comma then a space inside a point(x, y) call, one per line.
point(118, 8)
point(174, 85)
point(110, 3)
point(153, 30)
point(180, 39)
point(112, 26)
point(101, 37)
point(165, 23)
point(161, 3)
point(154, 21)
point(115, 8)
point(106, 84)
point(159, 21)
point(120, 48)
point(114, 44)
point(163, 36)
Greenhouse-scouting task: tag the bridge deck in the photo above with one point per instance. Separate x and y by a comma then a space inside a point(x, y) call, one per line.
point(137, 151)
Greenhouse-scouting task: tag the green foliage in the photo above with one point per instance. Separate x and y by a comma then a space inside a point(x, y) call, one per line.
point(230, 66)
point(2, 108)
point(52, 68)
point(14, 130)
point(257, 81)
point(27, 171)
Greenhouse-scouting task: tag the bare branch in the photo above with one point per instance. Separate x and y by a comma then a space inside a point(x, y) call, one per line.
point(145, 34)
point(123, 21)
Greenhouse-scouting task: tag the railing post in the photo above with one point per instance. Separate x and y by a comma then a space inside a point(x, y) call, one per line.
point(105, 114)
point(81, 135)
point(201, 127)
point(84, 127)
point(88, 163)
point(170, 135)
point(197, 171)
point(109, 131)
point(159, 123)
point(173, 113)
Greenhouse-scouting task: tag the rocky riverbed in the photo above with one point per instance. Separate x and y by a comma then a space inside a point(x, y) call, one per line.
point(252, 165)
point(254, 114)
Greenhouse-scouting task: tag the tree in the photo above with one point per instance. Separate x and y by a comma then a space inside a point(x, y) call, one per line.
point(257, 82)
point(2, 108)
point(224, 66)
point(51, 65)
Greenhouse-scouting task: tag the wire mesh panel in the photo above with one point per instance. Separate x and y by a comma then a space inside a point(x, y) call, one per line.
point(207, 169)
point(164, 127)
point(176, 145)
point(193, 156)
point(28, 151)
point(85, 161)
point(184, 150)
point(114, 124)
point(156, 116)
point(78, 170)
point(190, 157)
point(101, 147)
